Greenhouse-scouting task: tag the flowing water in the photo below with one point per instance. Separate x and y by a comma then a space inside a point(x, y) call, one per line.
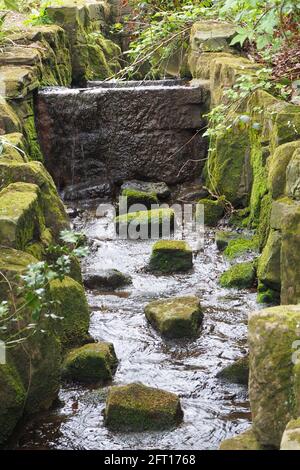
point(213, 409)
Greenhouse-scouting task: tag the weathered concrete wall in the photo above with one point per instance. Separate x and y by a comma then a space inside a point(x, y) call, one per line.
point(108, 135)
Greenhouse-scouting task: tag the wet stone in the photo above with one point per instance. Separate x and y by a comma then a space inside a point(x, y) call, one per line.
point(94, 362)
point(177, 317)
point(169, 256)
point(106, 279)
point(135, 407)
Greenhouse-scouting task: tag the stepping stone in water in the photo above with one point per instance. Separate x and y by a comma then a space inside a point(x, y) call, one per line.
point(161, 190)
point(95, 362)
point(135, 407)
point(237, 372)
point(169, 256)
point(106, 279)
point(145, 223)
point(177, 317)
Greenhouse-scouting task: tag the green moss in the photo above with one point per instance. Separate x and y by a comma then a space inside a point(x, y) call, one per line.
point(238, 372)
point(177, 317)
point(241, 246)
point(171, 256)
point(266, 295)
point(222, 239)
point(94, 362)
point(263, 228)
point(260, 179)
point(213, 211)
point(139, 197)
point(157, 220)
point(135, 407)
point(12, 398)
point(240, 276)
point(73, 308)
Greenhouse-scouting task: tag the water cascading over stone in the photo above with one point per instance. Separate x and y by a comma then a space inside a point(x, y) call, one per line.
point(104, 135)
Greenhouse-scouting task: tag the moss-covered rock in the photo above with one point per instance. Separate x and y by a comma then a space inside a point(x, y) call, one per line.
point(213, 211)
point(228, 170)
point(244, 441)
point(142, 224)
point(21, 217)
point(71, 305)
point(240, 276)
point(170, 256)
point(274, 377)
point(278, 165)
point(176, 317)
point(211, 36)
point(95, 362)
point(54, 212)
point(241, 246)
point(12, 399)
point(290, 254)
point(139, 197)
point(292, 188)
point(222, 238)
point(237, 372)
point(291, 436)
point(269, 271)
point(136, 407)
point(106, 279)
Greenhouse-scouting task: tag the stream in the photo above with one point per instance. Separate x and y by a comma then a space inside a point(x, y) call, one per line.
point(213, 408)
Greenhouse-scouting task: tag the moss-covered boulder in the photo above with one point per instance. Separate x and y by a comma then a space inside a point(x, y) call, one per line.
point(223, 237)
point(229, 168)
point(21, 217)
point(106, 279)
point(241, 246)
point(279, 163)
point(268, 270)
point(146, 199)
point(213, 211)
point(274, 385)
point(240, 276)
point(177, 317)
point(292, 188)
point(291, 436)
point(170, 256)
point(136, 407)
point(95, 362)
point(12, 399)
point(237, 372)
point(72, 308)
point(290, 254)
point(34, 173)
point(244, 441)
point(142, 224)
